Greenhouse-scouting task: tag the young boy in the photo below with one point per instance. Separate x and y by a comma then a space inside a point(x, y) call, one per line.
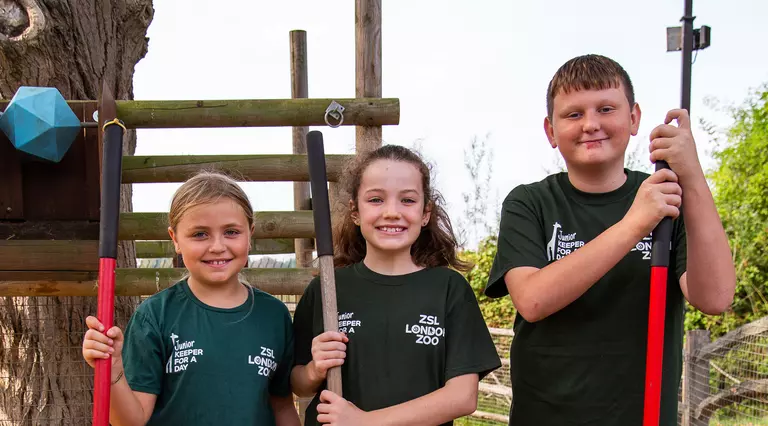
point(574, 255)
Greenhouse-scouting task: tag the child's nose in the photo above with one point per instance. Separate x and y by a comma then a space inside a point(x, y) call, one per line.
point(391, 211)
point(217, 245)
point(591, 123)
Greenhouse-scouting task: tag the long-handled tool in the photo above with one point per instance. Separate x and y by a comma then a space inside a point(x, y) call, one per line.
point(660, 249)
point(322, 214)
point(111, 173)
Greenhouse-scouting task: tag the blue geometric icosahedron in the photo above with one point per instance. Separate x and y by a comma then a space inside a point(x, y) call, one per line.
point(39, 122)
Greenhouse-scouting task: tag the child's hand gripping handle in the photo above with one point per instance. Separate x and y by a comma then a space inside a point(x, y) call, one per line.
point(324, 242)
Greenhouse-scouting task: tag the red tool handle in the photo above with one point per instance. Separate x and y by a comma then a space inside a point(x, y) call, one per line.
point(655, 353)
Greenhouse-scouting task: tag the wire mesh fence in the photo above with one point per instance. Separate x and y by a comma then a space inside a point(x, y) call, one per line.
point(495, 393)
point(725, 382)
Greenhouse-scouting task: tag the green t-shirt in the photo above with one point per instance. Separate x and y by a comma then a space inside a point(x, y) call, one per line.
point(585, 365)
point(408, 334)
point(209, 365)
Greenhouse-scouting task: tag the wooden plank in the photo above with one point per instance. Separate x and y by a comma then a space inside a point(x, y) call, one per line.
point(49, 255)
point(139, 281)
point(251, 168)
point(153, 226)
point(60, 191)
point(49, 230)
point(495, 389)
point(254, 113)
point(93, 159)
point(726, 342)
point(11, 199)
point(154, 249)
point(749, 389)
point(501, 418)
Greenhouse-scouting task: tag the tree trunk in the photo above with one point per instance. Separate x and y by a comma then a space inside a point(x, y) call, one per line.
point(72, 45)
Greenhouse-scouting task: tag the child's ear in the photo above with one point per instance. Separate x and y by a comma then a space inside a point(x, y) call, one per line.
point(427, 214)
point(353, 213)
point(635, 119)
point(173, 238)
point(549, 129)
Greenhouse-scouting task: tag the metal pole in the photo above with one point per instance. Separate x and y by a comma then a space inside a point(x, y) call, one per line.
point(685, 99)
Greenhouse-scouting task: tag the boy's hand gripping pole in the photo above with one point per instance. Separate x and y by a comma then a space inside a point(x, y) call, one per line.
point(660, 250)
point(324, 242)
point(111, 173)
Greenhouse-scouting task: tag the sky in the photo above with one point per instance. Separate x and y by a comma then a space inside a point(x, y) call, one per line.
point(461, 69)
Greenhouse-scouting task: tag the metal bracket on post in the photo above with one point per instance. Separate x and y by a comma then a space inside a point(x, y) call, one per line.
point(702, 38)
point(335, 110)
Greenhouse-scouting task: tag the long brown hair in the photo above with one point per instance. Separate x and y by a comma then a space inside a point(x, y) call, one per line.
point(436, 244)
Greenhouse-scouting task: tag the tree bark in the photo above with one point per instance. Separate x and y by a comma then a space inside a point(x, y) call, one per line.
point(72, 45)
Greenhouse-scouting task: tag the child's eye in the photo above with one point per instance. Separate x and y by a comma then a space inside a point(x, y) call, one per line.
point(375, 200)
point(199, 234)
point(606, 109)
point(232, 232)
point(573, 115)
point(408, 200)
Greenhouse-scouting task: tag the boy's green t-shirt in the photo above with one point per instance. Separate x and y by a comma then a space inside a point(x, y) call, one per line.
point(408, 334)
point(585, 365)
point(209, 365)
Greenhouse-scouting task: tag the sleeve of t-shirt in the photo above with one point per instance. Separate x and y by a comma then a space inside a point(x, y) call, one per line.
point(281, 381)
point(680, 247)
point(143, 359)
point(469, 346)
point(521, 241)
point(303, 325)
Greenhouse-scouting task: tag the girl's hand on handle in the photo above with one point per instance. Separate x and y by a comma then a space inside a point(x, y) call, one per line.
point(328, 350)
point(337, 411)
point(100, 345)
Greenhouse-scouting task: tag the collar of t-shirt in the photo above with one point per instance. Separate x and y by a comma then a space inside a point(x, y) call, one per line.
point(366, 273)
point(626, 189)
point(244, 306)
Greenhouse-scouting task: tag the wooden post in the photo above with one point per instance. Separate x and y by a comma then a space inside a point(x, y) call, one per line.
point(695, 377)
point(300, 89)
point(301, 193)
point(367, 66)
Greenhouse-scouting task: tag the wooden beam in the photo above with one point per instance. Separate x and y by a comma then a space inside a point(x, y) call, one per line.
point(728, 341)
point(749, 389)
point(49, 255)
point(155, 249)
point(49, 230)
point(501, 418)
point(249, 168)
point(254, 113)
point(153, 226)
point(139, 281)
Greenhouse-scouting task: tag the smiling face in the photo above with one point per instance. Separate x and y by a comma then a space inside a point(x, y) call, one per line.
point(214, 240)
point(390, 207)
point(591, 128)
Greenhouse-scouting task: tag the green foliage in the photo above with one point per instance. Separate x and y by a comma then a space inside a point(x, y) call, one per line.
point(740, 188)
point(497, 312)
